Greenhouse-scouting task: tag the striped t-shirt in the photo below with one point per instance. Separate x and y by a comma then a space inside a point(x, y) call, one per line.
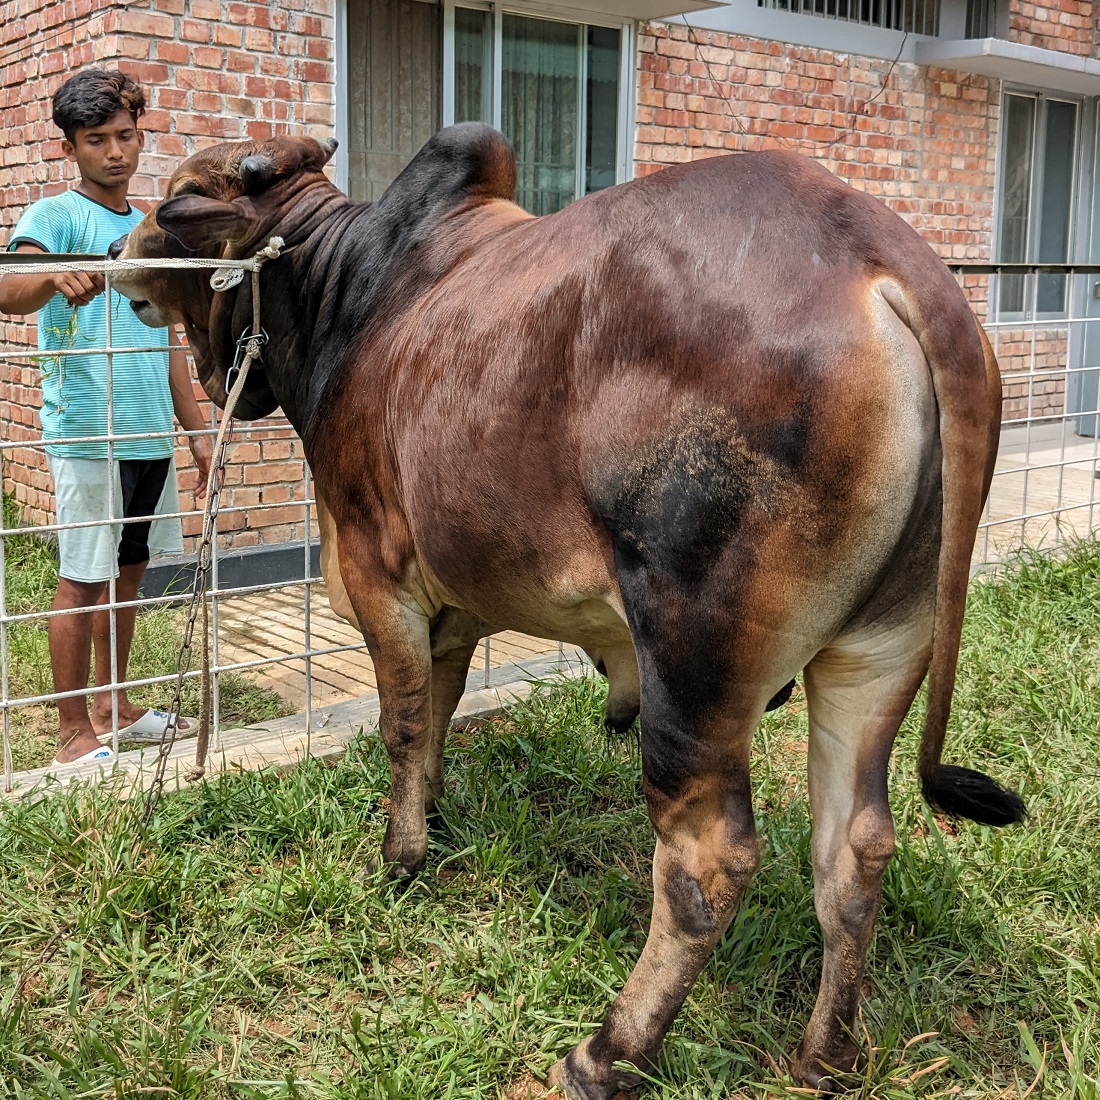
point(74, 387)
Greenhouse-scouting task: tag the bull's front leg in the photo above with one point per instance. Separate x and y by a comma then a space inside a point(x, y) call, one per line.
point(396, 628)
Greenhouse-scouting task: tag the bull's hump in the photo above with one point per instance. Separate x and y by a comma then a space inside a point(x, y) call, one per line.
point(470, 161)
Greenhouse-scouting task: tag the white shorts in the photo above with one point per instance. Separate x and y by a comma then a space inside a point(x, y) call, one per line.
point(93, 554)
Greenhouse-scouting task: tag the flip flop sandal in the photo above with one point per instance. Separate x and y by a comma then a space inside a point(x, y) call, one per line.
point(102, 755)
point(150, 726)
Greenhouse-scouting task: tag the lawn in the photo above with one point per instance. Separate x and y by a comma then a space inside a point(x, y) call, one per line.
point(30, 575)
point(243, 949)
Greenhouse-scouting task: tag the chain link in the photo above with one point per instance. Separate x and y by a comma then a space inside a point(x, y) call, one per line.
point(183, 657)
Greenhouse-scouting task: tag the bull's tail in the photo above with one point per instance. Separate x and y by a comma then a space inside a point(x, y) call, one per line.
point(969, 425)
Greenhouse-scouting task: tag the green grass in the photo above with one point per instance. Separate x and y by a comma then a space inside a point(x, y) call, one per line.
point(30, 574)
point(242, 951)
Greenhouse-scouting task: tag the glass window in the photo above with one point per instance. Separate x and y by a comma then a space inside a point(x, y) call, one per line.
point(473, 65)
point(559, 100)
point(1036, 188)
point(395, 63)
point(602, 125)
point(540, 108)
point(1055, 202)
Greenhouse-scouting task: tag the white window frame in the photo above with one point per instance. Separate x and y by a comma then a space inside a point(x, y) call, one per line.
point(1041, 97)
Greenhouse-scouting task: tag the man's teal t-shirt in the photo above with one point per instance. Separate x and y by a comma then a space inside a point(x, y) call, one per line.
point(74, 387)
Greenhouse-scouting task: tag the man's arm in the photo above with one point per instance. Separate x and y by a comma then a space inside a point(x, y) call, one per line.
point(21, 294)
point(188, 412)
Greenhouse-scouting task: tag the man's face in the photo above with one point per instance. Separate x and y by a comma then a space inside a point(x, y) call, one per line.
point(107, 154)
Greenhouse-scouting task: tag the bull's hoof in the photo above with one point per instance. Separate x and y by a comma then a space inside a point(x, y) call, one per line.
point(393, 874)
point(813, 1073)
point(403, 860)
point(570, 1080)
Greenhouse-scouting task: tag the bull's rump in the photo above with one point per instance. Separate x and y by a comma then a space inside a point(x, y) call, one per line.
point(674, 357)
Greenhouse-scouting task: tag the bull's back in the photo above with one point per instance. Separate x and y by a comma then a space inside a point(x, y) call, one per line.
point(671, 354)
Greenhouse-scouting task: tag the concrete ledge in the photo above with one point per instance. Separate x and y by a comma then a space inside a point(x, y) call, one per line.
point(277, 564)
point(284, 743)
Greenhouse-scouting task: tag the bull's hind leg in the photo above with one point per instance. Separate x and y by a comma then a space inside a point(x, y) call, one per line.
point(697, 790)
point(858, 691)
point(449, 672)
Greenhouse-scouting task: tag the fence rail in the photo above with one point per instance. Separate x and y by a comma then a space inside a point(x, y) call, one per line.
point(1044, 490)
point(1043, 321)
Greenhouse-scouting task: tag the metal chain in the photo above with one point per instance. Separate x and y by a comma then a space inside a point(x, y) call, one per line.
point(249, 348)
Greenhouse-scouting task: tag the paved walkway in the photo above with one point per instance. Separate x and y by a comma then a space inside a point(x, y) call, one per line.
point(272, 624)
point(1043, 491)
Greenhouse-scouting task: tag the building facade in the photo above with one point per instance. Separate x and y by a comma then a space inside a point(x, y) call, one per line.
point(976, 120)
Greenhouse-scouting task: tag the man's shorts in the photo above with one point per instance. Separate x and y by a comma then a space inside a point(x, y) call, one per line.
point(143, 487)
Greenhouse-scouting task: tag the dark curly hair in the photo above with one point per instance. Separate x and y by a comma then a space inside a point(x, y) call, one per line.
point(93, 96)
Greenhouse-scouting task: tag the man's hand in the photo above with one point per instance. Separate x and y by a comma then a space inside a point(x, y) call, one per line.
point(23, 294)
point(78, 287)
point(202, 451)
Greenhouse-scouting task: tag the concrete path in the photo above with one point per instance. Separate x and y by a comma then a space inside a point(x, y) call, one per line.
point(1044, 490)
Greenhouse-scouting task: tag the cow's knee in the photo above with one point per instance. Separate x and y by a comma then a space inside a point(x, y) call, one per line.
point(701, 879)
point(848, 884)
point(872, 840)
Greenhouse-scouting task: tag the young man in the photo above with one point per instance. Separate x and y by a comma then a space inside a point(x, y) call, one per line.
point(98, 110)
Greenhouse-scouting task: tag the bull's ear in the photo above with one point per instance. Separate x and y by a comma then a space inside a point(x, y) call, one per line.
point(197, 222)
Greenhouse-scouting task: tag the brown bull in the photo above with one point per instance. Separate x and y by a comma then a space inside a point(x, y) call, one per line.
point(716, 426)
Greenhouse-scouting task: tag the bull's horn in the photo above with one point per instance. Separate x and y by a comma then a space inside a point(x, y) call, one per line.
point(257, 170)
point(330, 145)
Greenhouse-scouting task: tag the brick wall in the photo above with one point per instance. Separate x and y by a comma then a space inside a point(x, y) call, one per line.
point(1033, 370)
point(1069, 26)
point(924, 140)
point(214, 70)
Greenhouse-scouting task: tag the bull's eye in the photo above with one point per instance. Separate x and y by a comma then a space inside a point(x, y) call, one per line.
point(188, 188)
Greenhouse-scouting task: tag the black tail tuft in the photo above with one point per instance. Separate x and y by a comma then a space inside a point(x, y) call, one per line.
point(961, 792)
point(781, 696)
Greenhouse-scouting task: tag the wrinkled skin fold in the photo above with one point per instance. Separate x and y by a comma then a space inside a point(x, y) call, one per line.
point(719, 426)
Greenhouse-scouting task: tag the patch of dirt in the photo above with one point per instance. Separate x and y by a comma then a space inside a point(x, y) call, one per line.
point(528, 1087)
point(964, 1021)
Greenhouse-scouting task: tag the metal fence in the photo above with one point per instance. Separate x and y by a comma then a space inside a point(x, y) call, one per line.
point(1044, 323)
point(237, 608)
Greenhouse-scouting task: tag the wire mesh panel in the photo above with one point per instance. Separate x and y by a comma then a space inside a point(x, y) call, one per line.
point(277, 647)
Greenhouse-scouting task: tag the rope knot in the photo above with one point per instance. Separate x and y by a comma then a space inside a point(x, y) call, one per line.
point(271, 250)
